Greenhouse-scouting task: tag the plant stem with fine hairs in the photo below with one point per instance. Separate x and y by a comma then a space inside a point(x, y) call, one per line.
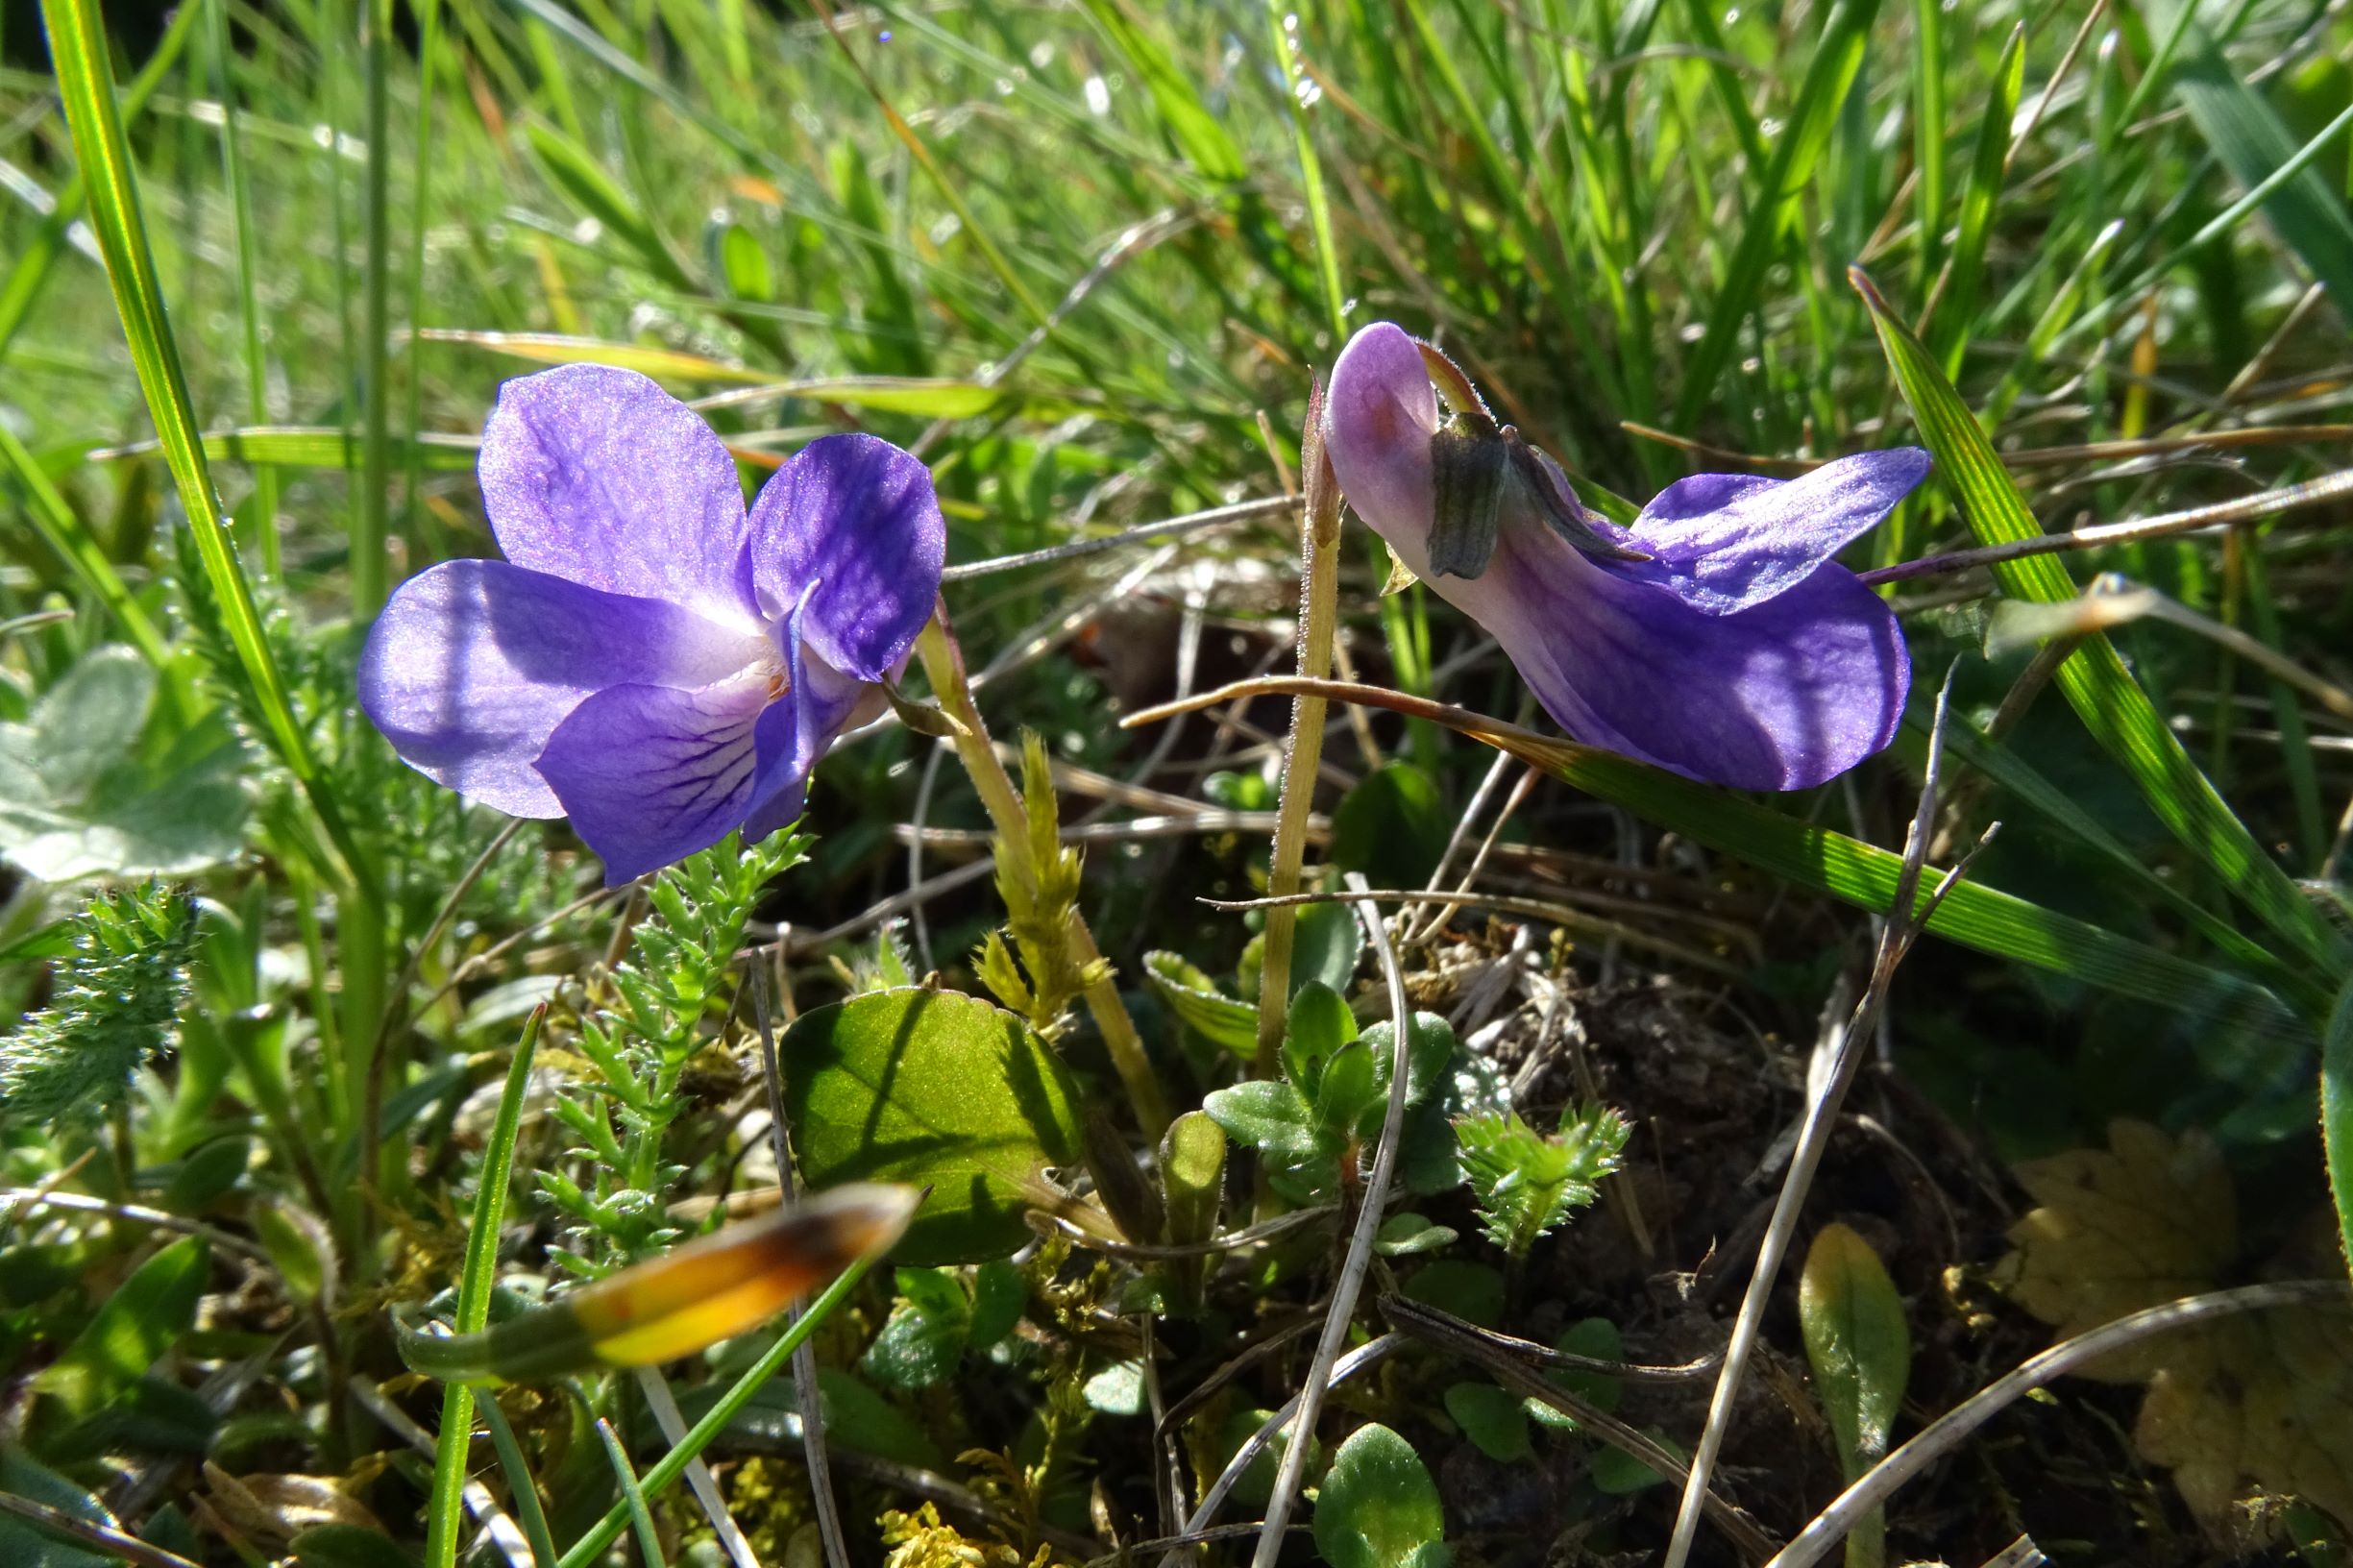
point(944, 664)
point(1319, 572)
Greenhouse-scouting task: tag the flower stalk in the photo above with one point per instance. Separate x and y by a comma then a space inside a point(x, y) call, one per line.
point(943, 665)
point(1319, 573)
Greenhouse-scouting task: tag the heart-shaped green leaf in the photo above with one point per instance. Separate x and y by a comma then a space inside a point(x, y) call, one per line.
point(936, 1090)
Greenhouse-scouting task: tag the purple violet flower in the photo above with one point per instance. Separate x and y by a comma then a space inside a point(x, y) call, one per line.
point(650, 660)
point(1715, 637)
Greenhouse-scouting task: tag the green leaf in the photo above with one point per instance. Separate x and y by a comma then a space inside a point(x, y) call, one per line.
point(1116, 1390)
point(1617, 1473)
point(1527, 1183)
point(136, 1327)
point(349, 1546)
point(2111, 703)
point(1861, 1352)
point(934, 1089)
point(1328, 947)
point(1318, 1025)
point(1200, 1006)
point(1472, 1291)
point(1347, 1093)
point(926, 1334)
point(1378, 1507)
point(1402, 1235)
point(2336, 1114)
point(999, 1297)
point(89, 787)
point(1267, 1115)
point(1806, 131)
point(1492, 1420)
point(1430, 1051)
point(1192, 1170)
point(23, 1545)
point(1392, 827)
point(112, 1010)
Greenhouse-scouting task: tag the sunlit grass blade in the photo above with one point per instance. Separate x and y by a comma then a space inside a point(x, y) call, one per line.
point(1956, 309)
point(76, 549)
point(1928, 129)
point(446, 1513)
point(2111, 703)
point(311, 445)
point(371, 518)
point(264, 500)
point(31, 268)
point(2253, 144)
point(1774, 204)
point(1204, 140)
point(86, 81)
point(1975, 916)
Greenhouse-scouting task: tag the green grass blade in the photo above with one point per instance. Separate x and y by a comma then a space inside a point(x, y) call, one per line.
point(2336, 1115)
point(633, 1497)
point(1806, 132)
point(78, 549)
point(1928, 129)
point(32, 269)
point(249, 289)
point(1956, 311)
point(519, 1487)
point(447, 1514)
point(2250, 139)
point(2111, 703)
point(370, 521)
point(86, 81)
point(1198, 134)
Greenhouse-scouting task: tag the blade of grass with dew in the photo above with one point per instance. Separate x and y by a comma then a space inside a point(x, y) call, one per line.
point(591, 1547)
point(2336, 1115)
point(86, 81)
point(1956, 309)
point(1837, 58)
point(446, 1512)
point(31, 269)
point(2111, 703)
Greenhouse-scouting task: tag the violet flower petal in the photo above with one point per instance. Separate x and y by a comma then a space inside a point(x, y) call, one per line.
point(794, 732)
point(650, 774)
point(1723, 543)
point(856, 518)
point(1783, 695)
point(598, 477)
point(473, 663)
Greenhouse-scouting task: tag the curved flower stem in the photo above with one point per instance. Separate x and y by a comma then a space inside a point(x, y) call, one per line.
point(1318, 617)
point(943, 665)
